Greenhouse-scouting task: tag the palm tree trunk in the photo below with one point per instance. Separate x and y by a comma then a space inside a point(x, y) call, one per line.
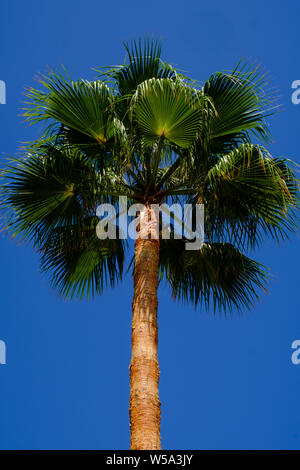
point(144, 408)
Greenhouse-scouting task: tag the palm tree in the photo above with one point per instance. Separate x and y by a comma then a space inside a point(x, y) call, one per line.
point(144, 131)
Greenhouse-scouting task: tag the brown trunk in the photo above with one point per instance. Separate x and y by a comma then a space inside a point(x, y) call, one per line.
point(144, 408)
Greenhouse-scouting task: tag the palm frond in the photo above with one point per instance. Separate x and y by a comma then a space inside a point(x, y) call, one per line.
point(51, 187)
point(82, 106)
point(242, 102)
point(218, 275)
point(78, 264)
point(247, 195)
point(167, 109)
point(144, 62)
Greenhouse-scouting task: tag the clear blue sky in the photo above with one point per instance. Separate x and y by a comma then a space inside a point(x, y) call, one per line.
point(225, 383)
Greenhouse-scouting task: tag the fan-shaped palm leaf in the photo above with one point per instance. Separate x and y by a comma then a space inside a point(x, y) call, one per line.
point(82, 106)
point(78, 263)
point(242, 102)
point(144, 62)
point(248, 193)
point(164, 108)
point(52, 187)
point(218, 275)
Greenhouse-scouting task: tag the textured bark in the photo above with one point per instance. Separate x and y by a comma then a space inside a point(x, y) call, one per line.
point(144, 406)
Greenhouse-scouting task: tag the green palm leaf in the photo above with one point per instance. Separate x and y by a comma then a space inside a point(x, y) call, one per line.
point(217, 276)
point(247, 193)
point(242, 102)
point(78, 263)
point(52, 187)
point(164, 108)
point(144, 59)
point(82, 106)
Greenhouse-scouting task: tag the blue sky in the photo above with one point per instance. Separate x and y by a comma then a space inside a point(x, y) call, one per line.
point(226, 383)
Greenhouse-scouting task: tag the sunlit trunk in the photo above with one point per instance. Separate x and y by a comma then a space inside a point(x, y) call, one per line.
point(144, 406)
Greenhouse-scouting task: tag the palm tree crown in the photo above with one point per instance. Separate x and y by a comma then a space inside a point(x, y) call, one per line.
point(145, 131)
